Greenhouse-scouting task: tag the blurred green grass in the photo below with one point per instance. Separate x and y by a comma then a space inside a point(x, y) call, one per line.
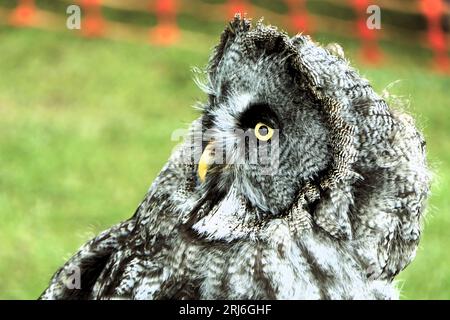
point(85, 126)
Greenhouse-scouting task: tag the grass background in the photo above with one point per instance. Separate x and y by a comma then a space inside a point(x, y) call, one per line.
point(85, 126)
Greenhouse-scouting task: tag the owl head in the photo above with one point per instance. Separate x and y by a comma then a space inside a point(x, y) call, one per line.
point(292, 134)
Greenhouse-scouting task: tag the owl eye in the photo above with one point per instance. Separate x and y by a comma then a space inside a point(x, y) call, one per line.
point(263, 132)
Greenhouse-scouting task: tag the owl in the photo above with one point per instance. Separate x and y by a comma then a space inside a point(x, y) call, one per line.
point(297, 181)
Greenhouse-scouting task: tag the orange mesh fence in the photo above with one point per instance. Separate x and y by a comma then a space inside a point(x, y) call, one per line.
point(297, 18)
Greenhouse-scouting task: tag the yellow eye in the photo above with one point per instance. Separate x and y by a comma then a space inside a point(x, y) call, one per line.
point(263, 132)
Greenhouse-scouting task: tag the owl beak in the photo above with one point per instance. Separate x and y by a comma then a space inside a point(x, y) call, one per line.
point(205, 161)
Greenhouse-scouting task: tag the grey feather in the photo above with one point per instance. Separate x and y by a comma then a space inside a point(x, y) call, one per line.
point(338, 217)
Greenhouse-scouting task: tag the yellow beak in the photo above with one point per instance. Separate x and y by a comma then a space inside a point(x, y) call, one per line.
point(206, 160)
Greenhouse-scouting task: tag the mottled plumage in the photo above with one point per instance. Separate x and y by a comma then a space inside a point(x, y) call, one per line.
point(336, 214)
